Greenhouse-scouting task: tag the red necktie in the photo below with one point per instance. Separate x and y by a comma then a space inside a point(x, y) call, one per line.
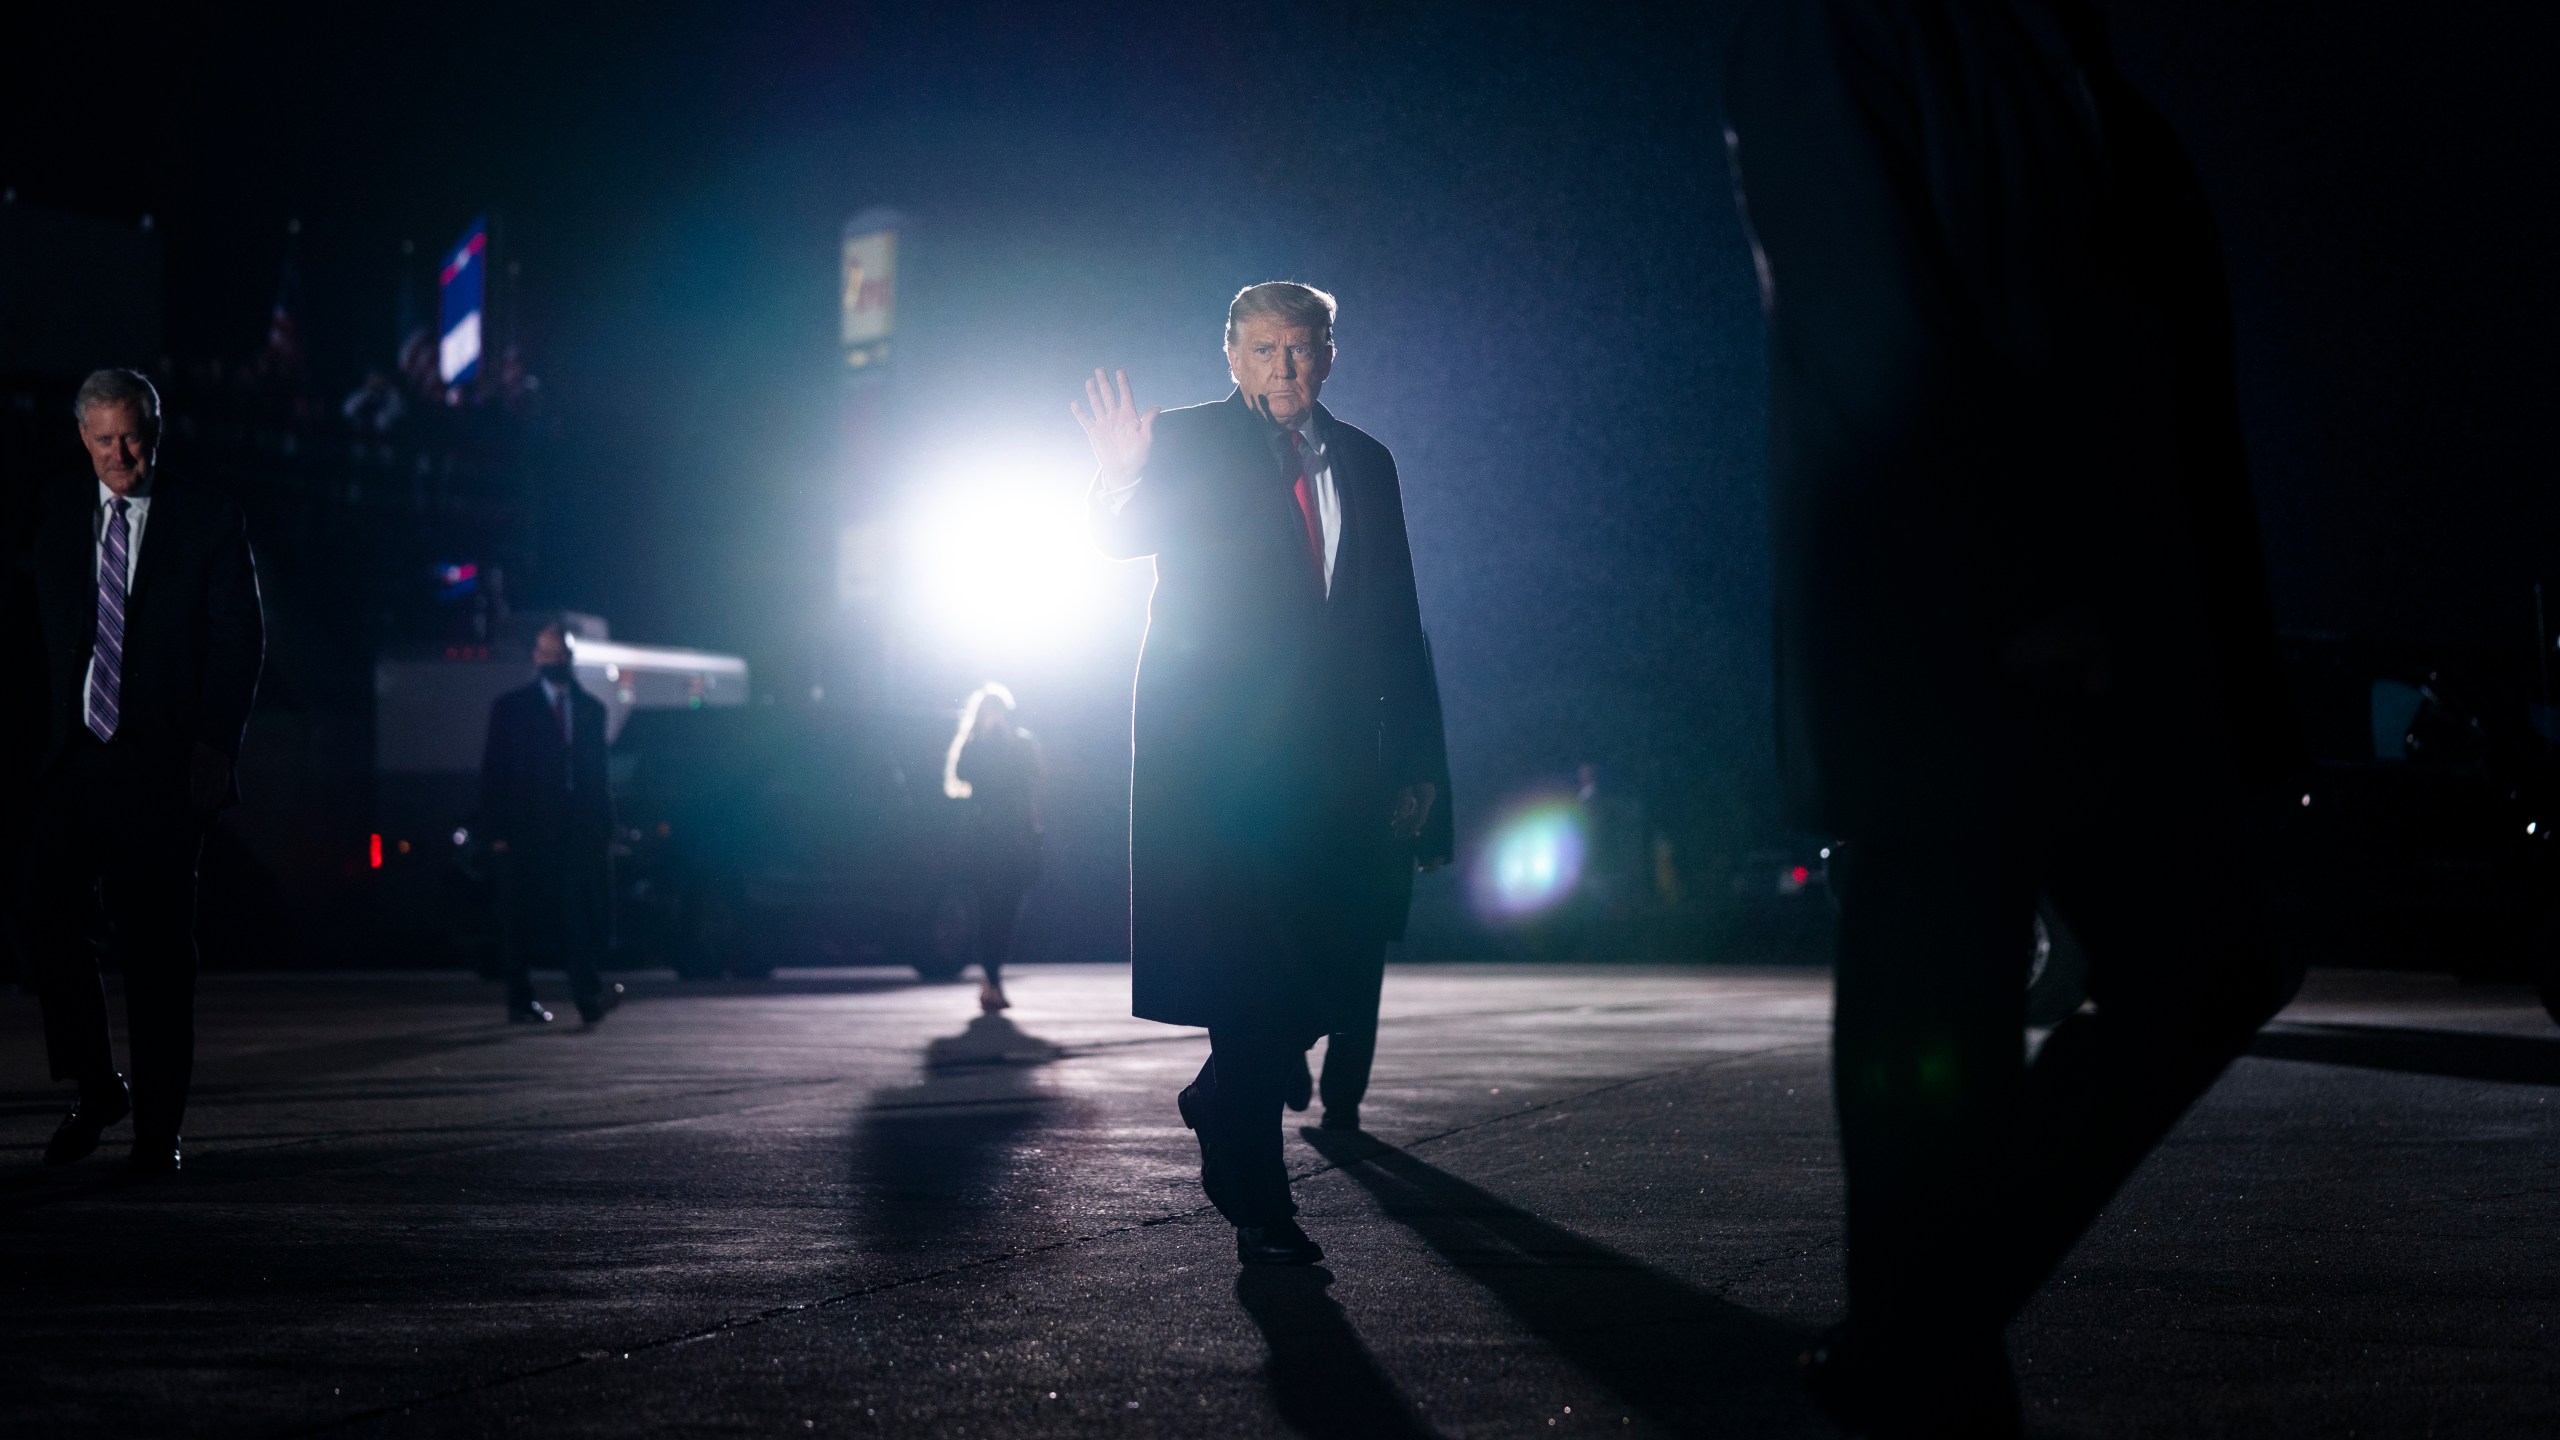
point(1307, 508)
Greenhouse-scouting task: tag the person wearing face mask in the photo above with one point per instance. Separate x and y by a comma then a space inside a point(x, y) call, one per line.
point(548, 816)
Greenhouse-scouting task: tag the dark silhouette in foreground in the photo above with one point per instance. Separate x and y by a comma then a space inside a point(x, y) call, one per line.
point(2023, 642)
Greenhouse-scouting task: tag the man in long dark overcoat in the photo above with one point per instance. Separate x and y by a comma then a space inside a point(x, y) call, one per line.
point(2023, 638)
point(547, 811)
point(1285, 739)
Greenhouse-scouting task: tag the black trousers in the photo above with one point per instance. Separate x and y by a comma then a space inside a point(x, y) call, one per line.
point(115, 844)
point(1351, 1050)
point(1971, 1173)
point(554, 909)
point(1235, 1103)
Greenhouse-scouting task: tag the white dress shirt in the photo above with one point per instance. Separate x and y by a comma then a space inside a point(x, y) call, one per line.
point(137, 513)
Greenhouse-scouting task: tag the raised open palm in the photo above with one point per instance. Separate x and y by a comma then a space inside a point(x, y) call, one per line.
point(1120, 435)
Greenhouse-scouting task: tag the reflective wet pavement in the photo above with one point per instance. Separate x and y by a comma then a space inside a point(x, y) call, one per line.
point(842, 1202)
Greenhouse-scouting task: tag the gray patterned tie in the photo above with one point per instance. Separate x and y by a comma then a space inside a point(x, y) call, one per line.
point(106, 677)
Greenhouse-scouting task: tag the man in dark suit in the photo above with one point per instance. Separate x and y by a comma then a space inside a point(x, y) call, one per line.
point(1284, 755)
point(147, 607)
point(2023, 641)
point(548, 816)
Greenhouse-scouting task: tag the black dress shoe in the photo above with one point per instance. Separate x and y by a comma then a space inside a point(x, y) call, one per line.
point(1279, 1243)
point(78, 1133)
point(528, 1013)
point(155, 1157)
point(1302, 1085)
point(1340, 1117)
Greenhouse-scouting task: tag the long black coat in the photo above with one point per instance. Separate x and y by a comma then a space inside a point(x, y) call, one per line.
point(546, 800)
point(194, 638)
point(1273, 725)
point(2014, 537)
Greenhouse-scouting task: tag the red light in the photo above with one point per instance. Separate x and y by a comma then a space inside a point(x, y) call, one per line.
point(1800, 875)
point(373, 851)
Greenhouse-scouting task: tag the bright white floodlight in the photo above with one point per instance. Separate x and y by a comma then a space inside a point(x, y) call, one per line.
point(997, 559)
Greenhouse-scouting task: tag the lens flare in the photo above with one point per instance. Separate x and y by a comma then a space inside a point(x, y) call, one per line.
point(1533, 861)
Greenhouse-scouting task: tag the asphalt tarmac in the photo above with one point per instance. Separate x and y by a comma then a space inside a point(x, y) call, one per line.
point(1596, 1201)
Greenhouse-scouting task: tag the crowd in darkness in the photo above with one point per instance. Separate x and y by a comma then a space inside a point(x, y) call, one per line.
point(270, 402)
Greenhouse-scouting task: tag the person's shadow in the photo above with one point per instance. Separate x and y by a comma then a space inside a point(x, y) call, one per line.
point(1323, 1379)
point(932, 1161)
point(1686, 1359)
point(2459, 1054)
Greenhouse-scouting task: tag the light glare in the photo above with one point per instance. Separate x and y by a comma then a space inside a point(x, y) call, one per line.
point(998, 559)
point(1533, 861)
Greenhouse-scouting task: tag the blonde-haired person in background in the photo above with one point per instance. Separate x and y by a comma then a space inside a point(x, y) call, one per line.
point(994, 765)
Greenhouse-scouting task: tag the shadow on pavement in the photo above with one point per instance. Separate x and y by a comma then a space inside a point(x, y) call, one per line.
point(1324, 1381)
point(932, 1160)
point(2456, 1054)
point(658, 985)
point(1684, 1358)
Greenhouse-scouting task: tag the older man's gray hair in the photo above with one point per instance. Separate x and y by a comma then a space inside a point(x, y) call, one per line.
point(1286, 301)
point(118, 387)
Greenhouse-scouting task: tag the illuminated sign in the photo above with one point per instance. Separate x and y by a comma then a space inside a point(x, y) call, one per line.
point(462, 292)
point(870, 289)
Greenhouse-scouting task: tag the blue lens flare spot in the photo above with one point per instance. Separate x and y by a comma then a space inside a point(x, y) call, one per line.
point(1533, 861)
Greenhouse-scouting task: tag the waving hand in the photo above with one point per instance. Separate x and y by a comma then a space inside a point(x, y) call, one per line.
point(1120, 435)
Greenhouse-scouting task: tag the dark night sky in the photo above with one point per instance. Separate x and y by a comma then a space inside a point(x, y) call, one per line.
point(1547, 304)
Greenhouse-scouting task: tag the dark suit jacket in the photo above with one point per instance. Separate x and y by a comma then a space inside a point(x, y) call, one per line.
point(2014, 538)
point(194, 638)
point(549, 801)
point(1272, 725)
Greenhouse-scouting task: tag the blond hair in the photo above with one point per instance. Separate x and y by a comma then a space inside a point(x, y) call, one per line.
point(1284, 300)
point(952, 784)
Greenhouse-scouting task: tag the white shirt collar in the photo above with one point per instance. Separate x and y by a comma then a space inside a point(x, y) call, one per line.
point(139, 499)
